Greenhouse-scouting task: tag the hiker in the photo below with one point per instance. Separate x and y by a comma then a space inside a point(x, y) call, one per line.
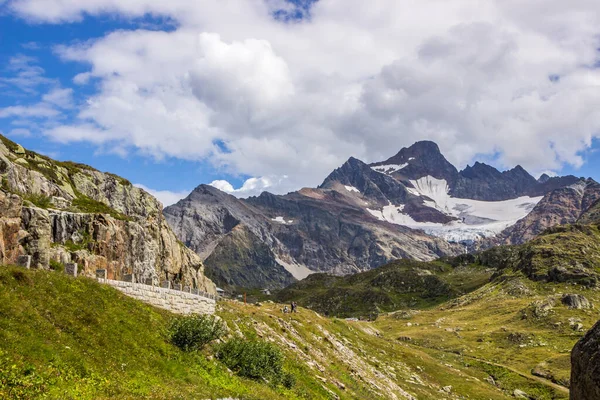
point(286, 310)
point(294, 307)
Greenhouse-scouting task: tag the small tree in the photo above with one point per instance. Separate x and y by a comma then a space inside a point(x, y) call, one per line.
point(193, 332)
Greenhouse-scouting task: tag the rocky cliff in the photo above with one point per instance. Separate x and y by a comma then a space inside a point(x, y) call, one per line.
point(62, 212)
point(585, 366)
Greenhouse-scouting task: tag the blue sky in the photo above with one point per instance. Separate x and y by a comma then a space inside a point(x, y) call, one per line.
point(38, 41)
point(274, 95)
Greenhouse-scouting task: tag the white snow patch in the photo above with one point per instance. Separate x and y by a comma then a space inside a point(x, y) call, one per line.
point(298, 271)
point(476, 218)
point(282, 220)
point(389, 168)
point(352, 189)
point(410, 159)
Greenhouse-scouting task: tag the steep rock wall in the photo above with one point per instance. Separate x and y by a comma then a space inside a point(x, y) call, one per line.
point(66, 212)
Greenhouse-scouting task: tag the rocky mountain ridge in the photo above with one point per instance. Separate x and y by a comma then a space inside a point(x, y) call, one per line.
point(414, 205)
point(62, 212)
point(322, 231)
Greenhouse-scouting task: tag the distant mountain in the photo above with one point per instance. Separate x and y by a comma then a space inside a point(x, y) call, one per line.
point(299, 233)
point(414, 205)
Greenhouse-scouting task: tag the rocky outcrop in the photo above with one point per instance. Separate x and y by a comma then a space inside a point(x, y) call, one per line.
point(10, 227)
point(585, 366)
point(61, 212)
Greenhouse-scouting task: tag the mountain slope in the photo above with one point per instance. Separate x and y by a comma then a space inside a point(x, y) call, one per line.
point(62, 212)
point(306, 231)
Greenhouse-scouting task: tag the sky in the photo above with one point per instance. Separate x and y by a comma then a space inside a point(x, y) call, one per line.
point(274, 94)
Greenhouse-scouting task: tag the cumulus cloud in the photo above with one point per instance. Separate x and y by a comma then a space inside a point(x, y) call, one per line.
point(166, 197)
point(264, 98)
point(250, 187)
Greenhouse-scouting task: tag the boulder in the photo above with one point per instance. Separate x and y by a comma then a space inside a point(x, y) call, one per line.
point(519, 394)
point(576, 301)
point(585, 366)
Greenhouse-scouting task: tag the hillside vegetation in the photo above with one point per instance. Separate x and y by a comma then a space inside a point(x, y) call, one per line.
point(486, 326)
point(398, 285)
point(568, 254)
point(63, 337)
point(72, 338)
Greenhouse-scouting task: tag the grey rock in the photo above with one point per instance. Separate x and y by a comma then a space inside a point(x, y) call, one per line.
point(519, 394)
point(576, 301)
point(585, 366)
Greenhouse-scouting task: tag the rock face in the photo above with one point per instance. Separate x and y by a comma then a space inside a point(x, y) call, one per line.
point(477, 182)
point(585, 366)
point(591, 215)
point(61, 212)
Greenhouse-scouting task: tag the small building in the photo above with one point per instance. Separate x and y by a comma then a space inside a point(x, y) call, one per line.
point(220, 292)
point(266, 292)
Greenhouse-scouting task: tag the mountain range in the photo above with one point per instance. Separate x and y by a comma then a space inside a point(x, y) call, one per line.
point(414, 205)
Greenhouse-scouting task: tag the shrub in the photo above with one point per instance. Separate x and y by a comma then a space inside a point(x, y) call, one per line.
point(39, 200)
point(57, 266)
point(255, 360)
point(288, 380)
point(195, 331)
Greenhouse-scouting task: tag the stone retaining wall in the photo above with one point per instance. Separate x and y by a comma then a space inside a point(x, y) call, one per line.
point(175, 301)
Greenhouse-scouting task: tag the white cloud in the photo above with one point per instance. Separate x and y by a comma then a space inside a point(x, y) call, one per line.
point(60, 97)
point(34, 111)
point(264, 98)
point(250, 187)
point(22, 132)
point(23, 73)
point(166, 197)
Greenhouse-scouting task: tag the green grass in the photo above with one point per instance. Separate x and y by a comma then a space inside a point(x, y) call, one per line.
point(85, 204)
point(399, 284)
point(72, 338)
point(38, 200)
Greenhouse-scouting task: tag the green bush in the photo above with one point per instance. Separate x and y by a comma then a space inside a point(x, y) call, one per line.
point(255, 359)
point(195, 331)
point(57, 266)
point(288, 380)
point(39, 200)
